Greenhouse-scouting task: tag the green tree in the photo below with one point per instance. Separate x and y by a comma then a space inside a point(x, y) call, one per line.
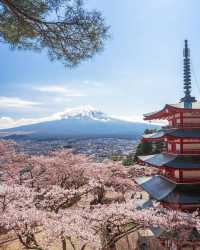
point(148, 147)
point(129, 160)
point(158, 147)
point(116, 157)
point(68, 31)
point(144, 148)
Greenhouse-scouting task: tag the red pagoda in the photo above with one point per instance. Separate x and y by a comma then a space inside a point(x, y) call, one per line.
point(178, 183)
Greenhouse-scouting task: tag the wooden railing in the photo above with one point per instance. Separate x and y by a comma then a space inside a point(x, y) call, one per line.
point(183, 125)
point(185, 152)
point(191, 151)
point(182, 180)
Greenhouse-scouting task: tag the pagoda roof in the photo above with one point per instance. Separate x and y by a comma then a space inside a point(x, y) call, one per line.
point(177, 133)
point(170, 109)
point(172, 161)
point(164, 190)
point(157, 135)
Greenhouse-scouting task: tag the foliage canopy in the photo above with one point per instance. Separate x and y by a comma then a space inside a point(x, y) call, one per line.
point(68, 31)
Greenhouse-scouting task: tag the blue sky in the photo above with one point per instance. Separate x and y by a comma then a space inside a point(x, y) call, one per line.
point(138, 72)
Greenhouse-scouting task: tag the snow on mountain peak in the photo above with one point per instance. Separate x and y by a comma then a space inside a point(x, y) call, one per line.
point(84, 112)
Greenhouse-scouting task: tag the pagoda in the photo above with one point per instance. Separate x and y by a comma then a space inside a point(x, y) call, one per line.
point(177, 184)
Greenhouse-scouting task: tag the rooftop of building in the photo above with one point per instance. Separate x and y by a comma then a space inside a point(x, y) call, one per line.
point(170, 109)
point(174, 132)
point(172, 161)
point(162, 189)
point(188, 102)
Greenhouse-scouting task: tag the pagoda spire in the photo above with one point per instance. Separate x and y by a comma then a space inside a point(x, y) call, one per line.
point(187, 99)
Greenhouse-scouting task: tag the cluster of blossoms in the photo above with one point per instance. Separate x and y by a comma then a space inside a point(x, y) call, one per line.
point(69, 198)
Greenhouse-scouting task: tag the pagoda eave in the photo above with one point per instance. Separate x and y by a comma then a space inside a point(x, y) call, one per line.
point(171, 161)
point(173, 134)
point(163, 190)
point(170, 110)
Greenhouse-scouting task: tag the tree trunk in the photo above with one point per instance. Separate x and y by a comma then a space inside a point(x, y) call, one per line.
point(128, 243)
point(100, 195)
point(112, 247)
point(106, 240)
point(27, 241)
point(64, 245)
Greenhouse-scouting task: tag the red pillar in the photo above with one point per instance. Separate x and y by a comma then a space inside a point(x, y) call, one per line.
point(181, 119)
point(181, 175)
point(181, 146)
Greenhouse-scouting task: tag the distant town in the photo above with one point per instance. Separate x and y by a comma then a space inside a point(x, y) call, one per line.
point(97, 148)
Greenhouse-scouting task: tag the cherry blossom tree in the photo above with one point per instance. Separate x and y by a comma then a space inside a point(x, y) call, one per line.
point(103, 226)
point(11, 161)
point(60, 168)
point(69, 198)
point(18, 214)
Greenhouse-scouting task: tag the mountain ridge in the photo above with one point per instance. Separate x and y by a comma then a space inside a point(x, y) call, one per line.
point(85, 121)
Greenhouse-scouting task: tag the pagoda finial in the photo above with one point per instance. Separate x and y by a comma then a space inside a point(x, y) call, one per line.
point(187, 99)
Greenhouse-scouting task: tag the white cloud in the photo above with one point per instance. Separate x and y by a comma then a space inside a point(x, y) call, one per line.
point(60, 90)
point(140, 119)
point(9, 122)
point(15, 102)
point(131, 118)
point(92, 83)
point(61, 99)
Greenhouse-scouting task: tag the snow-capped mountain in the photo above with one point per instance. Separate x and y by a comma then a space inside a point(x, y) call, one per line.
point(79, 122)
point(85, 112)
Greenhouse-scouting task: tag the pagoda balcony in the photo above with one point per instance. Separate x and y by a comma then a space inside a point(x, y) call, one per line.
point(171, 177)
point(182, 125)
point(185, 152)
point(191, 152)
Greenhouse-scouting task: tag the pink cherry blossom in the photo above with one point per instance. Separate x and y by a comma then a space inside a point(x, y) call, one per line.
point(66, 198)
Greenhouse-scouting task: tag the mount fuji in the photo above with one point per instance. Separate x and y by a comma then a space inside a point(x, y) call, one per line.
point(78, 122)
